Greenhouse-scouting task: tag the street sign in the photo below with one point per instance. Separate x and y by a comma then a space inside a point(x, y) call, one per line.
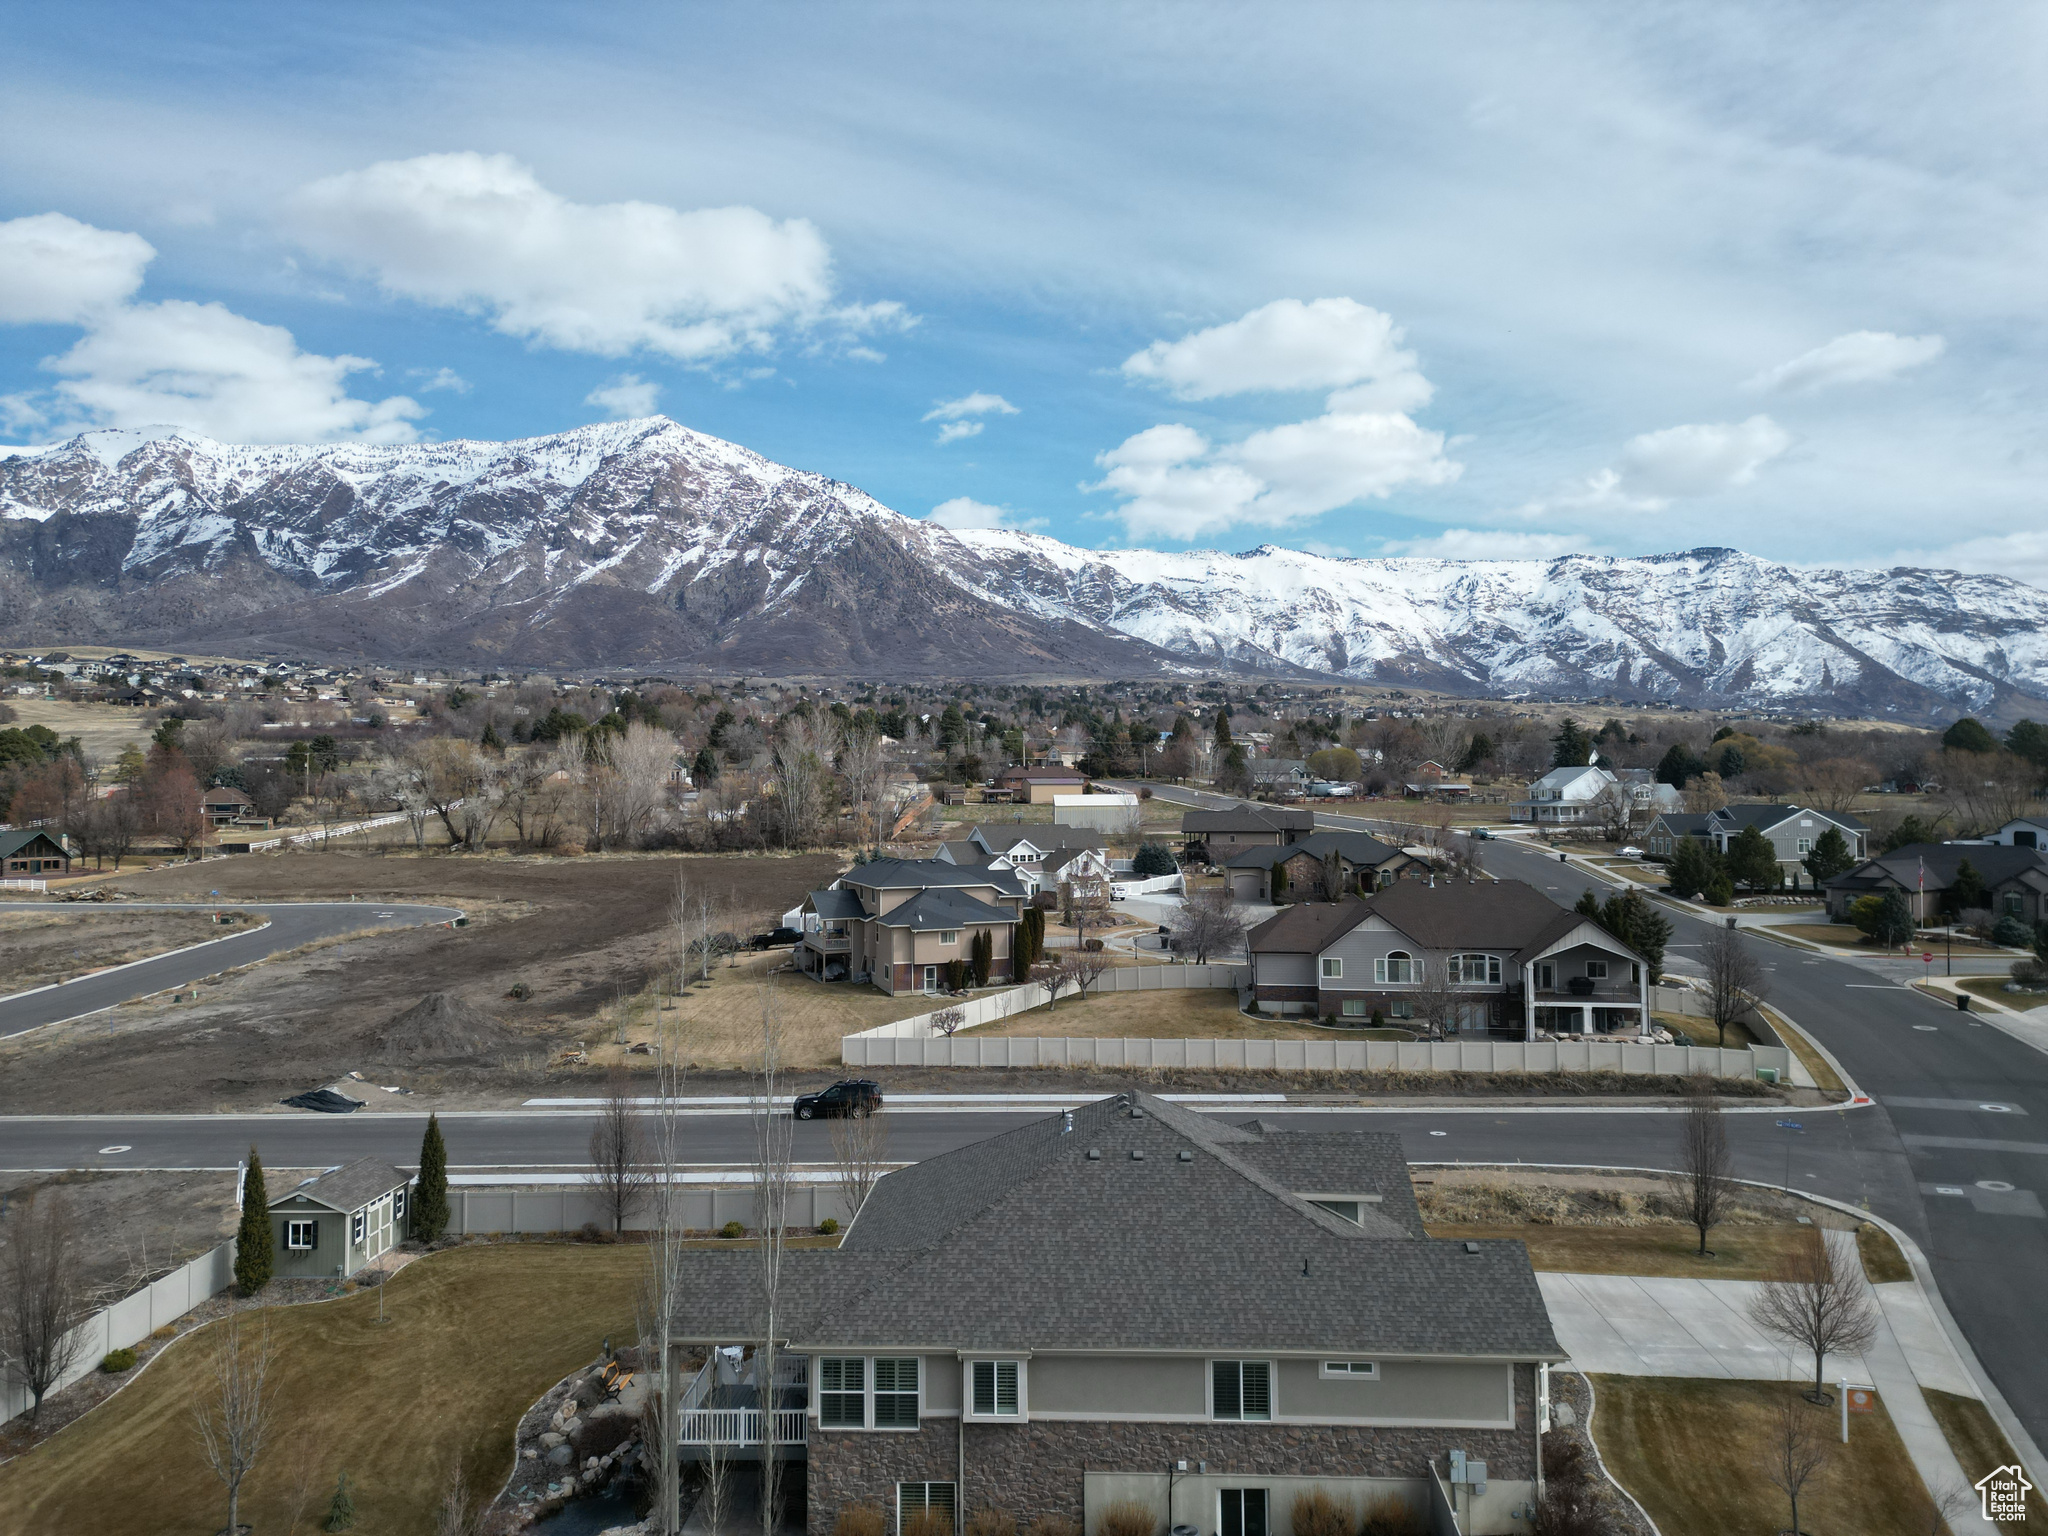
point(1863, 1399)
point(1927, 958)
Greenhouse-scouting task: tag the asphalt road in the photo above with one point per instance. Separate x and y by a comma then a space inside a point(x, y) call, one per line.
point(291, 924)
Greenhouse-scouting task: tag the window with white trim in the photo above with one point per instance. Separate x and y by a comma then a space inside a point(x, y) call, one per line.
point(842, 1393)
point(896, 1393)
point(1398, 968)
point(915, 1498)
point(1476, 970)
point(1400, 1008)
point(1354, 1007)
point(1333, 968)
point(1348, 1209)
point(949, 935)
point(995, 1389)
point(358, 1227)
point(1241, 1389)
point(1597, 969)
point(302, 1236)
point(398, 1203)
point(1352, 1370)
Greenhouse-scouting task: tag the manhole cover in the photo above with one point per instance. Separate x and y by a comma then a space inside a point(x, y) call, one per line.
point(110, 1151)
point(1995, 1186)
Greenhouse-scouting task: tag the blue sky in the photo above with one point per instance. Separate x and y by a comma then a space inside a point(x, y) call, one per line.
point(1478, 280)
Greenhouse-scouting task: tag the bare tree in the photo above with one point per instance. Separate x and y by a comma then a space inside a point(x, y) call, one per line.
point(1210, 924)
point(1331, 883)
point(44, 1295)
point(772, 1180)
point(1088, 904)
point(1737, 982)
point(459, 1513)
point(233, 1414)
point(1435, 996)
point(661, 1294)
point(947, 1021)
point(1817, 1303)
point(1088, 967)
point(800, 755)
point(860, 1154)
point(1056, 976)
point(1703, 1184)
point(1796, 1450)
point(619, 1175)
point(864, 766)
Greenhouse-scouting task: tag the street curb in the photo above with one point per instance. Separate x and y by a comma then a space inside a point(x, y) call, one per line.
point(109, 970)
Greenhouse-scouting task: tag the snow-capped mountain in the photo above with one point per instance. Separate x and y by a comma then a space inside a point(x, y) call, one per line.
point(636, 544)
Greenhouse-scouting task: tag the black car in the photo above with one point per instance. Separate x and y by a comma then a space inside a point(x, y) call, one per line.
point(850, 1096)
point(775, 938)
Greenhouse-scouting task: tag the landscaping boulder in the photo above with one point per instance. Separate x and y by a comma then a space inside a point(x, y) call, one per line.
point(560, 1455)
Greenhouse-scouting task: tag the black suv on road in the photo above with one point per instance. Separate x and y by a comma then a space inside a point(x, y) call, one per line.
point(851, 1096)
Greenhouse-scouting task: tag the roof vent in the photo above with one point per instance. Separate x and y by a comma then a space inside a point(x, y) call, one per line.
point(1471, 1247)
point(1187, 1157)
point(1137, 1154)
point(1095, 1154)
point(1137, 1111)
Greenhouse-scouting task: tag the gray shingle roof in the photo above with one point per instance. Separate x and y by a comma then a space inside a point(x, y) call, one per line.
point(1308, 928)
point(1250, 818)
point(944, 909)
point(1995, 865)
point(1023, 1241)
point(1003, 836)
point(1733, 818)
point(836, 905)
point(351, 1186)
point(13, 842)
point(1354, 847)
point(922, 874)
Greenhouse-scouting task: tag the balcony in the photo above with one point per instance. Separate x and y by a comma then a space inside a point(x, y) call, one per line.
point(829, 943)
point(722, 1404)
point(739, 1426)
point(1598, 995)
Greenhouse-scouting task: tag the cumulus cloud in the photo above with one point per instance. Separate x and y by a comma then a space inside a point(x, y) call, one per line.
point(442, 378)
point(953, 431)
point(1861, 357)
point(1487, 544)
point(480, 233)
point(965, 512)
point(55, 270)
point(957, 415)
point(1288, 345)
point(625, 397)
point(1657, 468)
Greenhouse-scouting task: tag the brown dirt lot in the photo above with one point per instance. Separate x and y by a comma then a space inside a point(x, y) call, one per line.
point(42, 944)
point(578, 932)
point(132, 1227)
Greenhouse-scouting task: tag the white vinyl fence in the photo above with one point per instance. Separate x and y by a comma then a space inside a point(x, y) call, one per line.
point(876, 1050)
point(1146, 886)
point(991, 1006)
point(134, 1318)
point(570, 1209)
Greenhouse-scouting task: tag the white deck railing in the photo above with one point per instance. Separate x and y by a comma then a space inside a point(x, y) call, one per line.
point(739, 1426)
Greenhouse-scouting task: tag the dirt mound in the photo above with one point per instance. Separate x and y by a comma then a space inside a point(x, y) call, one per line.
point(443, 1028)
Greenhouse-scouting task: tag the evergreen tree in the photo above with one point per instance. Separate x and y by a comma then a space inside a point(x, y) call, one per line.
point(704, 767)
point(1571, 747)
point(1753, 862)
point(1588, 905)
point(1729, 762)
point(2029, 739)
point(341, 1510)
point(1477, 751)
point(1968, 735)
point(1641, 927)
point(430, 1188)
point(1720, 890)
point(255, 1257)
point(1223, 725)
point(1910, 830)
point(1966, 891)
point(1679, 765)
point(1830, 857)
point(1153, 860)
point(1694, 863)
point(491, 741)
point(1894, 925)
point(984, 956)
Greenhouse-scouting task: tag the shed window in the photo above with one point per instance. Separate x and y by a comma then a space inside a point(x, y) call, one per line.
point(302, 1236)
point(398, 1203)
point(996, 1388)
point(358, 1226)
point(1241, 1389)
point(896, 1393)
point(841, 1393)
point(1333, 968)
point(1398, 968)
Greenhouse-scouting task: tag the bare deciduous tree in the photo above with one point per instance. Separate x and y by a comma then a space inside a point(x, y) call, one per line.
point(864, 766)
point(1797, 1449)
point(801, 752)
point(459, 1513)
point(1056, 976)
point(619, 1175)
point(233, 1415)
point(661, 1294)
point(44, 1296)
point(1703, 1183)
point(1819, 1304)
point(1088, 967)
point(860, 1156)
point(947, 1021)
point(1210, 924)
point(1736, 980)
point(773, 1175)
point(1435, 996)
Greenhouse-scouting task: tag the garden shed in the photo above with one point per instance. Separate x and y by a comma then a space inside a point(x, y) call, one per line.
point(336, 1222)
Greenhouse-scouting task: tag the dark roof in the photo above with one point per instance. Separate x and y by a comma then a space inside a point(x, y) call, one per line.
point(836, 905)
point(1003, 836)
point(352, 1185)
point(1353, 847)
point(13, 842)
point(1249, 818)
point(222, 794)
point(967, 855)
point(1765, 817)
point(1685, 823)
point(1486, 914)
point(1308, 928)
point(1995, 863)
point(1024, 1241)
point(944, 909)
point(1054, 775)
point(922, 874)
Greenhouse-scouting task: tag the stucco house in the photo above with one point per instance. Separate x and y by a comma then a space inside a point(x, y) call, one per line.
point(1135, 1302)
point(900, 922)
point(1516, 964)
point(2015, 880)
point(332, 1225)
point(1293, 871)
point(1216, 835)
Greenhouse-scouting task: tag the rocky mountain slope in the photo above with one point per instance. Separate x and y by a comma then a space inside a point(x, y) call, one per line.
point(637, 545)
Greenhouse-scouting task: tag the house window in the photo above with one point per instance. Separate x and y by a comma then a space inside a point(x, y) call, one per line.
point(358, 1225)
point(1348, 1209)
point(1352, 1370)
point(1400, 1008)
point(914, 1498)
point(949, 936)
point(1354, 1007)
point(1546, 977)
point(842, 1393)
point(1806, 845)
point(995, 1388)
point(302, 1236)
point(1397, 968)
point(896, 1393)
point(398, 1204)
point(1333, 968)
point(1241, 1512)
point(1476, 970)
point(1241, 1389)
point(1597, 969)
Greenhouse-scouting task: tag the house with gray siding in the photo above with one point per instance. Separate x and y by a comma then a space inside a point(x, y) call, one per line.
point(1293, 870)
point(2014, 878)
point(1216, 835)
point(330, 1226)
point(1135, 1302)
point(901, 923)
point(1792, 831)
point(1492, 958)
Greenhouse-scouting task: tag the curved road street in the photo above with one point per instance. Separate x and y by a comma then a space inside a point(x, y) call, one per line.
point(290, 924)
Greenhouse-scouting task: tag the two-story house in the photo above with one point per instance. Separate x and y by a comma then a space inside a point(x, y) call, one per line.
point(1792, 830)
point(1037, 786)
point(1133, 1302)
point(899, 923)
point(1281, 775)
point(1495, 958)
point(2015, 880)
point(1294, 871)
point(1041, 856)
point(1566, 797)
point(1213, 836)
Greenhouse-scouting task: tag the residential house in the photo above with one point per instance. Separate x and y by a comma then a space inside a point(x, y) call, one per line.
point(1214, 836)
point(1671, 828)
point(1568, 797)
point(2025, 832)
point(1131, 1301)
point(1517, 964)
point(30, 853)
point(900, 922)
point(2015, 880)
point(224, 805)
point(1037, 786)
point(332, 1225)
point(1367, 862)
point(1041, 856)
point(1280, 775)
point(1792, 831)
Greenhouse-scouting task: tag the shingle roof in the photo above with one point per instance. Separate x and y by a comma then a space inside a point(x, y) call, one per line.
point(1354, 847)
point(1685, 823)
point(967, 855)
point(13, 842)
point(922, 874)
point(942, 909)
point(836, 906)
point(1025, 1241)
point(1003, 836)
point(1995, 863)
point(1765, 817)
point(1308, 928)
point(1249, 818)
point(351, 1186)
point(1457, 914)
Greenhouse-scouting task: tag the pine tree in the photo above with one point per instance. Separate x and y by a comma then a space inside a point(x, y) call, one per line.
point(430, 1189)
point(1753, 862)
point(1679, 765)
point(1830, 857)
point(341, 1510)
point(255, 1256)
point(1966, 890)
point(1223, 725)
point(491, 741)
point(1692, 866)
point(1571, 747)
point(1589, 905)
point(1894, 925)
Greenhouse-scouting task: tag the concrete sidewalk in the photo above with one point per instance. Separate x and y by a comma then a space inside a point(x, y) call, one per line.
point(1630, 1325)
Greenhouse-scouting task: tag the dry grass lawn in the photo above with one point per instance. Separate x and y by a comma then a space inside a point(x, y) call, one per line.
point(1980, 1445)
point(1694, 1452)
point(1992, 988)
point(1882, 1260)
point(476, 1334)
point(1841, 935)
point(1702, 1031)
point(1665, 1249)
point(45, 944)
point(1193, 1013)
point(722, 1017)
point(103, 729)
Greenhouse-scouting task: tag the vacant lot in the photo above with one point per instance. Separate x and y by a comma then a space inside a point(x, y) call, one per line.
point(44, 944)
point(134, 1226)
point(1693, 1452)
point(474, 1336)
point(577, 934)
point(103, 729)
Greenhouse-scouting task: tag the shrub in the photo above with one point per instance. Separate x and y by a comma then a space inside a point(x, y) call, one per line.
point(1720, 891)
point(860, 1520)
point(1316, 1513)
point(733, 1229)
point(997, 1522)
point(1152, 860)
point(602, 1433)
point(593, 1233)
point(926, 1522)
point(2012, 933)
point(520, 992)
point(2029, 973)
point(1127, 1518)
point(116, 1361)
point(1392, 1515)
point(1092, 946)
point(829, 1225)
point(168, 1331)
point(956, 975)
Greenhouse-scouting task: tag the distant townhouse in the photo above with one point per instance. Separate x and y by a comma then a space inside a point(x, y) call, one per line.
point(899, 923)
point(2015, 880)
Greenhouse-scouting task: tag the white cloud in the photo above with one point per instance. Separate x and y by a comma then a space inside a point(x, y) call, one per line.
point(480, 233)
point(1487, 544)
point(625, 397)
point(1656, 468)
point(965, 512)
point(1861, 357)
point(442, 378)
point(976, 404)
point(953, 431)
point(1289, 345)
point(53, 269)
point(2022, 556)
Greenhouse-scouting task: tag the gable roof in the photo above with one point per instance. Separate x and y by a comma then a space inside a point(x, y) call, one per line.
point(1995, 863)
point(958, 1252)
point(13, 842)
point(944, 909)
point(1684, 823)
point(1457, 914)
point(1307, 928)
point(835, 905)
point(1249, 818)
point(1562, 778)
point(351, 1186)
point(1051, 775)
point(924, 874)
point(1354, 847)
point(1001, 837)
point(1734, 818)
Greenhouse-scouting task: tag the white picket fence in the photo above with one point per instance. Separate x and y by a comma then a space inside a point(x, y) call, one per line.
point(991, 1006)
point(19, 884)
point(878, 1050)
